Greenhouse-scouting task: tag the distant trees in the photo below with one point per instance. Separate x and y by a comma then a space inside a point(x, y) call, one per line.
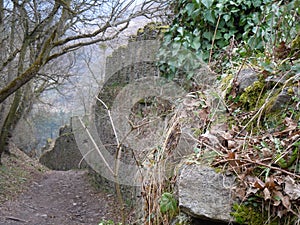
point(36, 34)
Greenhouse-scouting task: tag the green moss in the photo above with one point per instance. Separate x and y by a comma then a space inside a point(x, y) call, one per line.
point(295, 45)
point(218, 170)
point(226, 83)
point(140, 31)
point(163, 29)
point(270, 103)
point(253, 96)
point(245, 214)
point(251, 214)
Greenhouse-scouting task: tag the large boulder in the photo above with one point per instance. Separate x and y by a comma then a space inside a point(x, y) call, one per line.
point(205, 194)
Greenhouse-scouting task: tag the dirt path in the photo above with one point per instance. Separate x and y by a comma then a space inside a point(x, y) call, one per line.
point(60, 198)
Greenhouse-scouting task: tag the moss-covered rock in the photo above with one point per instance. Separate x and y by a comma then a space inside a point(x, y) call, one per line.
point(253, 96)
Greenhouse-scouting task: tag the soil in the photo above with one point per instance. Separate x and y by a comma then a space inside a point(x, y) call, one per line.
point(54, 197)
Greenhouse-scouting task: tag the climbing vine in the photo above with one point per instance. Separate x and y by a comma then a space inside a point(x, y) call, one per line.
point(210, 30)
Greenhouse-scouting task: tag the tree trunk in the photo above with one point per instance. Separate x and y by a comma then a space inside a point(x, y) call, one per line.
point(6, 130)
point(21, 105)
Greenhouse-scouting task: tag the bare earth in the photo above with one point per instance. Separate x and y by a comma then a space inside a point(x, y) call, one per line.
point(59, 198)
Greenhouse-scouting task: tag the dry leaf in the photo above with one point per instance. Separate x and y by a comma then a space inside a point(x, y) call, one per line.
point(284, 199)
point(231, 144)
point(291, 188)
point(278, 197)
point(213, 140)
point(286, 202)
point(270, 183)
point(290, 123)
point(259, 183)
point(281, 213)
point(252, 190)
point(267, 194)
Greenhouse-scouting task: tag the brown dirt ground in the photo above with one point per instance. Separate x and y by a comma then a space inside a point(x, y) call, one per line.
point(32, 194)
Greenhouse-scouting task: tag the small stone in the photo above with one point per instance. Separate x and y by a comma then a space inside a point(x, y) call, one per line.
point(246, 78)
point(282, 100)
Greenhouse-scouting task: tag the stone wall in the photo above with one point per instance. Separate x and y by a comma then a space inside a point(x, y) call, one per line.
point(64, 153)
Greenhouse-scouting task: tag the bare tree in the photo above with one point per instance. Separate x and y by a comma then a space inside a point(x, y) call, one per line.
point(35, 33)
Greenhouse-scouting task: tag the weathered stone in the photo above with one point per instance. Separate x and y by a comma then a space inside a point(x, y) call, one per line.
point(284, 97)
point(205, 194)
point(246, 78)
point(64, 155)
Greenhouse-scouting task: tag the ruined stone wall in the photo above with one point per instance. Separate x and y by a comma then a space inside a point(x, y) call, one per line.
point(64, 153)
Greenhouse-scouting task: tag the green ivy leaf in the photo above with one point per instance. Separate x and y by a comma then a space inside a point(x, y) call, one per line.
point(208, 15)
point(207, 35)
point(168, 204)
point(207, 3)
point(196, 44)
point(190, 8)
point(180, 30)
point(196, 14)
point(226, 17)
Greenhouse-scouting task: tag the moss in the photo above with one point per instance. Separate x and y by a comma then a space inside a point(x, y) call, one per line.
point(253, 96)
point(245, 214)
point(123, 46)
point(226, 83)
point(270, 103)
point(218, 170)
point(140, 31)
point(153, 27)
point(252, 215)
point(295, 46)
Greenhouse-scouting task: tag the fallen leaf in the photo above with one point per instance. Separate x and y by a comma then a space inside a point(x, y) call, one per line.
point(252, 190)
point(291, 188)
point(270, 182)
point(286, 202)
point(267, 194)
point(213, 140)
point(284, 199)
point(277, 195)
point(281, 213)
point(259, 183)
point(290, 123)
point(231, 155)
point(231, 144)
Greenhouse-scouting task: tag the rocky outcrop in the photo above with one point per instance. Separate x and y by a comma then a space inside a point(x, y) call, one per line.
point(204, 193)
point(64, 153)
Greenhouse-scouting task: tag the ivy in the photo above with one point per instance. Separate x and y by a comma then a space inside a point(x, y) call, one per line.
point(203, 30)
point(168, 204)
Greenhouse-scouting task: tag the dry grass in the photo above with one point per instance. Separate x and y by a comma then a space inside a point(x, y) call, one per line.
point(16, 173)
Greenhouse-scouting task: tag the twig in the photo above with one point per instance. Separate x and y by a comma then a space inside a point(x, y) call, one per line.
point(83, 157)
point(260, 164)
point(16, 219)
point(96, 146)
point(111, 120)
point(213, 40)
point(134, 127)
point(206, 145)
point(117, 164)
